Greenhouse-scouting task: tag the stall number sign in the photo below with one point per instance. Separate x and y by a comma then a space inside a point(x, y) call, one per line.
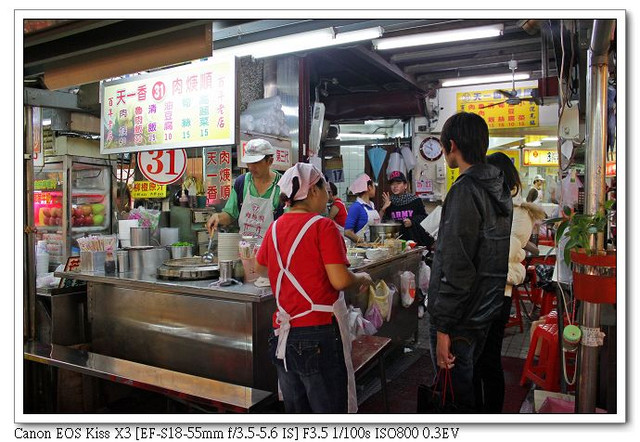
point(162, 166)
point(540, 157)
point(502, 115)
point(187, 106)
point(217, 167)
point(148, 189)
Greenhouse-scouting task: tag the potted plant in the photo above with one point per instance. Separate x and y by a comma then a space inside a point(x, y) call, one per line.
point(594, 272)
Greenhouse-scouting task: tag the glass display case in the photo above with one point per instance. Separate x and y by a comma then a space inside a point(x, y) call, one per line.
point(72, 198)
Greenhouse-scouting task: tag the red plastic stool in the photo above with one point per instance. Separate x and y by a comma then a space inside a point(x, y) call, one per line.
point(517, 319)
point(545, 371)
point(547, 303)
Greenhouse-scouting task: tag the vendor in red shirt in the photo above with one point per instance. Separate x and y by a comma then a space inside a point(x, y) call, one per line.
point(337, 210)
point(305, 258)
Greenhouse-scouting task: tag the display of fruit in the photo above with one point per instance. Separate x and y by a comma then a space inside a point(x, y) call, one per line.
point(97, 209)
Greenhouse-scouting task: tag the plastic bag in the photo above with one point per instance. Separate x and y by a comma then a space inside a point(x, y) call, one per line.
point(424, 276)
point(373, 316)
point(408, 288)
point(408, 157)
point(358, 325)
point(381, 296)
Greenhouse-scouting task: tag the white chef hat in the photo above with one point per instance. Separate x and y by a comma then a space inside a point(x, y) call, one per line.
point(307, 175)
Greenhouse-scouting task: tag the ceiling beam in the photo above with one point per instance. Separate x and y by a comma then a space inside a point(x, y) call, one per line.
point(377, 60)
point(463, 49)
point(179, 47)
point(480, 62)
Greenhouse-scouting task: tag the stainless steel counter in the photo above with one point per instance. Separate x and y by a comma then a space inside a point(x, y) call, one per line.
point(215, 332)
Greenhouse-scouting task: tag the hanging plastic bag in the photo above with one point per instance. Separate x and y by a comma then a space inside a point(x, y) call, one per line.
point(396, 163)
point(358, 325)
point(408, 157)
point(381, 295)
point(424, 276)
point(408, 288)
point(373, 316)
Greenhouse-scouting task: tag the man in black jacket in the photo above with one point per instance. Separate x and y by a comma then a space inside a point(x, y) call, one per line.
point(470, 264)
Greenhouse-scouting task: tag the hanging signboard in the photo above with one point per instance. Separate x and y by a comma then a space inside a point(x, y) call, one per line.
point(217, 172)
point(283, 158)
point(148, 189)
point(187, 106)
point(502, 115)
point(162, 166)
point(539, 157)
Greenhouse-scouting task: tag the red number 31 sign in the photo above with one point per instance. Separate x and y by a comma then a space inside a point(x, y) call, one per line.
point(162, 166)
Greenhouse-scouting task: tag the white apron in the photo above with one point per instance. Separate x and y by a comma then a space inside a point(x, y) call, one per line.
point(256, 213)
point(339, 309)
point(373, 217)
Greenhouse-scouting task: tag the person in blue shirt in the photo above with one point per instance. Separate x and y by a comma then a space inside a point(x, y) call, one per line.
point(363, 212)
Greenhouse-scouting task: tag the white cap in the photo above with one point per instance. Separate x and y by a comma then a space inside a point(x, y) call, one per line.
point(256, 150)
point(538, 178)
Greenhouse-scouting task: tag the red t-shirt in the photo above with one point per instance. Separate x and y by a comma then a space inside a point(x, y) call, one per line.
point(322, 244)
point(341, 216)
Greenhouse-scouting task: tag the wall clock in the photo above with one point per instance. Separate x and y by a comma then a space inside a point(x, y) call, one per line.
point(431, 149)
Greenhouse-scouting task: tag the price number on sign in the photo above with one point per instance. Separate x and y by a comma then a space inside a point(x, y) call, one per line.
point(162, 166)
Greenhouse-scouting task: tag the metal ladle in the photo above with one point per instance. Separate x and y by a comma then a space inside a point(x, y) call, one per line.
point(208, 257)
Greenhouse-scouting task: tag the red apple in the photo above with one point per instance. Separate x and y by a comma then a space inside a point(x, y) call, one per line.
point(77, 212)
point(57, 221)
point(88, 220)
point(46, 211)
point(46, 221)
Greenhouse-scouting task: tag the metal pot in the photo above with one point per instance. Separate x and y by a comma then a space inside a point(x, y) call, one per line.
point(140, 236)
point(181, 251)
point(384, 230)
point(147, 259)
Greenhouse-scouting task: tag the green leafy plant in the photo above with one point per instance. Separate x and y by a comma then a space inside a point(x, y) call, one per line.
point(580, 228)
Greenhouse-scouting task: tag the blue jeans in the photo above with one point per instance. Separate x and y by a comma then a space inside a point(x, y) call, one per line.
point(316, 377)
point(466, 346)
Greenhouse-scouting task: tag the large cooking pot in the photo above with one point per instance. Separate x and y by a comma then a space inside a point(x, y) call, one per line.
point(147, 259)
point(384, 230)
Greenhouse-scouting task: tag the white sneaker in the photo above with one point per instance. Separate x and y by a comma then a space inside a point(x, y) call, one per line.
point(420, 311)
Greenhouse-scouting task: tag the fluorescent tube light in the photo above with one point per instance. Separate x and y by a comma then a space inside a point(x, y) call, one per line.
point(480, 79)
point(429, 38)
point(363, 136)
point(303, 41)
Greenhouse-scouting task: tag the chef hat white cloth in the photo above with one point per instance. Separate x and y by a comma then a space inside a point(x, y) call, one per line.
point(359, 185)
point(307, 174)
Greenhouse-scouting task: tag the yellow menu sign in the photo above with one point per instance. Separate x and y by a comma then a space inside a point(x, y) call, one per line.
point(187, 106)
point(453, 174)
point(490, 106)
point(148, 189)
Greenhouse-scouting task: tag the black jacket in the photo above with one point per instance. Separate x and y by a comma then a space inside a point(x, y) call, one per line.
point(471, 260)
point(409, 206)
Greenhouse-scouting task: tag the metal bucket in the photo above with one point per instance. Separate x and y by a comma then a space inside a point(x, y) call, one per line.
point(140, 236)
point(147, 259)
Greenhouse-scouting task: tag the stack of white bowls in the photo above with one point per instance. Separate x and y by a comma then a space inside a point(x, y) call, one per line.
point(124, 231)
point(228, 249)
